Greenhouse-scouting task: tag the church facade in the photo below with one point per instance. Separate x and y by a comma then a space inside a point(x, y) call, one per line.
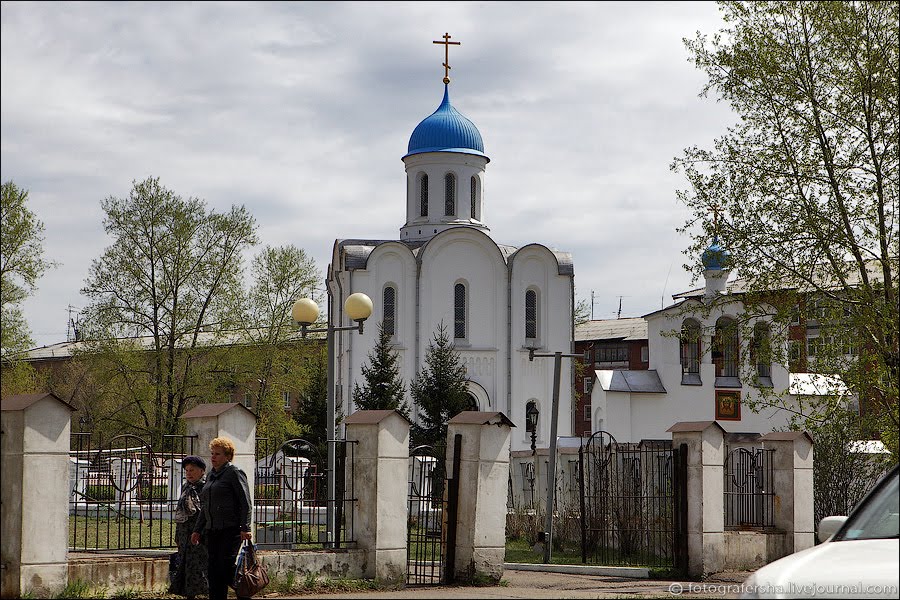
point(494, 301)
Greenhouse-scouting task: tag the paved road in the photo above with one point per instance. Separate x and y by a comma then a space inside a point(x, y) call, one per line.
point(532, 584)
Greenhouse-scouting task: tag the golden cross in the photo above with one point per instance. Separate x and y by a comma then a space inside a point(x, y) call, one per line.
point(447, 43)
point(715, 209)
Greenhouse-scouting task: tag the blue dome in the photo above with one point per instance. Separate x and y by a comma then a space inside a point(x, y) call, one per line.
point(446, 130)
point(715, 257)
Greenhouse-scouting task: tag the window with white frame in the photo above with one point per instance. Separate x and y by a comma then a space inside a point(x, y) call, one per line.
point(725, 348)
point(389, 310)
point(423, 195)
point(587, 413)
point(248, 400)
point(286, 399)
point(587, 384)
point(530, 315)
point(450, 194)
point(459, 311)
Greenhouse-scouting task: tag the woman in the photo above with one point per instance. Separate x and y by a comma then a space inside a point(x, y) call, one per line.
point(190, 578)
point(224, 516)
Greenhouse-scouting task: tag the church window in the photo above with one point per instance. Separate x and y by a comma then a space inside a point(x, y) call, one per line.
point(450, 194)
point(690, 352)
point(423, 195)
point(530, 315)
point(761, 353)
point(725, 349)
point(389, 306)
point(459, 311)
point(474, 187)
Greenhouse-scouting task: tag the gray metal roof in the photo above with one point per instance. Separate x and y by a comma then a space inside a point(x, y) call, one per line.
point(640, 382)
point(213, 409)
point(23, 401)
point(612, 329)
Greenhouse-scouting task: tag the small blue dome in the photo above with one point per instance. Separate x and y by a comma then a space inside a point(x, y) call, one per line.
point(715, 257)
point(446, 130)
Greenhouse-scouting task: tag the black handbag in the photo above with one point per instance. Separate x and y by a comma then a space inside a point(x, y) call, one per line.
point(250, 576)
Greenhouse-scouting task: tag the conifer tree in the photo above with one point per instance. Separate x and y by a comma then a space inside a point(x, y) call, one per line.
point(383, 388)
point(439, 390)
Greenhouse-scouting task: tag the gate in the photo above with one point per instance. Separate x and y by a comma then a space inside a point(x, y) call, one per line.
point(633, 503)
point(431, 520)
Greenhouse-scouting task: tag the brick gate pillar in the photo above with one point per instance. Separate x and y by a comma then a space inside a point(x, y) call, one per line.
point(480, 546)
point(34, 528)
point(705, 493)
point(379, 480)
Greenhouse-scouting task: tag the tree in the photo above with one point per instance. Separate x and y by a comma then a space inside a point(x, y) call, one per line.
point(21, 265)
point(272, 356)
point(383, 388)
point(312, 410)
point(803, 190)
point(171, 276)
point(439, 390)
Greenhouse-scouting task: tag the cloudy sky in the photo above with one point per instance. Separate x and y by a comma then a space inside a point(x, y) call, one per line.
point(302, 112)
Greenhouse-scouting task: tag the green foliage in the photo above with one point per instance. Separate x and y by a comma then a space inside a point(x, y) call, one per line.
point(172, 275)
point(439, 390)
point(21, 265)
point(79, 589)
point(803, 190)
point(312, 409)
point(383, 388)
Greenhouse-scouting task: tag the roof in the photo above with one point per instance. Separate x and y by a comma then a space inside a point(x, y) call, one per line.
point(638, 382)
point(478, 417)
point(446, 130)
point(814, 384)
point(213, 409)
point(689, 426)
point(23, 401)
point(634, 328)
point(371, 417)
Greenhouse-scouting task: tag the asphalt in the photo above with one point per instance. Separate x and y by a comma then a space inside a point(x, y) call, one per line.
point(518, 583)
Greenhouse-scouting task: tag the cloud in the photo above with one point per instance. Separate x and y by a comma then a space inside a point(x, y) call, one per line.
point(302, 111)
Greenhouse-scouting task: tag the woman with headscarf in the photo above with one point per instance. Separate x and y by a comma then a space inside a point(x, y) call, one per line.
point(190, 578)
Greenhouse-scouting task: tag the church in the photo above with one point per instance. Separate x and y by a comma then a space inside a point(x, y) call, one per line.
point(494, 301)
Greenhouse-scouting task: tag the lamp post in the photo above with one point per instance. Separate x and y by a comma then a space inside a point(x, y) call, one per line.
point(531, 417)
point(554, 424)
point(305, 311)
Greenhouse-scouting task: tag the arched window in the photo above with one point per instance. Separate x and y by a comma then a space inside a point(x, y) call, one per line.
point(690, 347)
point(450, 194)
point(530, 315)
point(459, 311)
point(474, 195)
point(389, 306)
point(761, 351)
point(725, 349)
point(423, 195)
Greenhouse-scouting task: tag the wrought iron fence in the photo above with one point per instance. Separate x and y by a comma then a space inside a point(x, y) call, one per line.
point(426, 534)
point(749, 489)
point(629, 503)
point(123, 493)
point(291, 495)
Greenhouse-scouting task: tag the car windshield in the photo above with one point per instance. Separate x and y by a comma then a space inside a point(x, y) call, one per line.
point(879, 517)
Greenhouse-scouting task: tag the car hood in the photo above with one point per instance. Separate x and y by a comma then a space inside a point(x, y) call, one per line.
point(840, 569)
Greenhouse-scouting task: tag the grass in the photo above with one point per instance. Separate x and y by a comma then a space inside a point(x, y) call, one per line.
point(120, 533)
point(520, 551)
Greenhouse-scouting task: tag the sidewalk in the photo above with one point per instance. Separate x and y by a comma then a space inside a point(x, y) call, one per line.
point(545, 584)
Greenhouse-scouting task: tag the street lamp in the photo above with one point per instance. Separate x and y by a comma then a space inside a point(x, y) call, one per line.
point(305, 311)
point(554, 423)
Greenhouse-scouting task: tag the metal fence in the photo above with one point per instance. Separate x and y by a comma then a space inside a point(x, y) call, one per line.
point(749, 489)
point(632, 503)
point(123, 492)
point(292, 506)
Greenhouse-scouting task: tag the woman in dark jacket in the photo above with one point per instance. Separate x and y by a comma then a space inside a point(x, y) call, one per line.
point(190, 578)
point(224, 516)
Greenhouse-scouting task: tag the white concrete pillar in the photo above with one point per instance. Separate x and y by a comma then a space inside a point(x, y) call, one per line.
point(378, 477)
point(174, 480)
point(34, 497)
point(705, 493)
point(792, 465)
point(483, 480)
point(234, 421)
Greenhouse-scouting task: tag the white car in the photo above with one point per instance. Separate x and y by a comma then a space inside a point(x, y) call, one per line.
point(859, 556)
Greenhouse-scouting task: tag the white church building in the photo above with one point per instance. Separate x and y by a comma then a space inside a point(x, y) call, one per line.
point(495, 301)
